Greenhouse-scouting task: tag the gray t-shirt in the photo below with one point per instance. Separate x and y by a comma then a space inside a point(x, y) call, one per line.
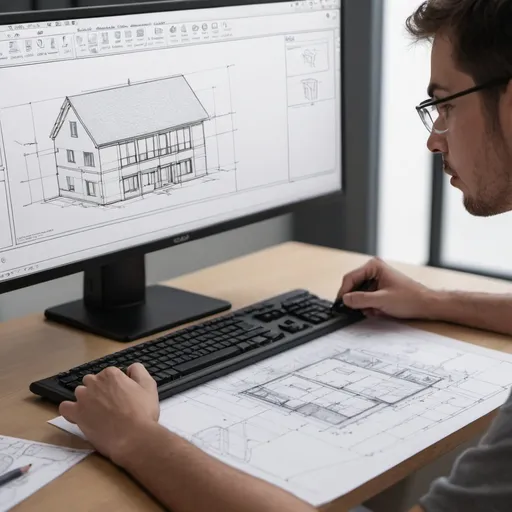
point(481, 478)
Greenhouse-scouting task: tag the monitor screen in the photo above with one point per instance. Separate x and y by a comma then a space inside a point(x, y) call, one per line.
point(121, 130)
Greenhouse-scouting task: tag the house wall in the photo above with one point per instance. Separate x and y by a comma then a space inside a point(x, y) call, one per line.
point(199, 147)
point(111, 174)
point(78, 173)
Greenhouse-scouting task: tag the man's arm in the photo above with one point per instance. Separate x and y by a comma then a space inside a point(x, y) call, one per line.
point(186, 479)
point(118, 415)
point(491, 312)
point(397, 296)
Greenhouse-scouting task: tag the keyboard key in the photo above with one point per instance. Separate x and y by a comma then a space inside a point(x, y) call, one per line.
point(208, 360)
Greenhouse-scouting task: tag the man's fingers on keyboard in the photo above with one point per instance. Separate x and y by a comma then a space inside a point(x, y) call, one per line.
point(88, 379)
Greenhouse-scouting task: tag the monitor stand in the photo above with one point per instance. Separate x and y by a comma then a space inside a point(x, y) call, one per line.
point(118, 305)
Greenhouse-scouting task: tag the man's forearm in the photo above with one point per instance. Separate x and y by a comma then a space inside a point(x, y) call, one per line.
point(185, 479)
point(483, 311)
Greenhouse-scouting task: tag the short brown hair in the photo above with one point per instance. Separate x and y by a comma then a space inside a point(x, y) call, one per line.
point(480, 32)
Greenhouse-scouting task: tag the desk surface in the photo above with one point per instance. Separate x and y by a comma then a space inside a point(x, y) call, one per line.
point(25, 342)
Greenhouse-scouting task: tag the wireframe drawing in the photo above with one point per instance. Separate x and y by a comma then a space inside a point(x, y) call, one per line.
point(48, 462)
point(124, 142)
point(309, 57)
point(310, 88)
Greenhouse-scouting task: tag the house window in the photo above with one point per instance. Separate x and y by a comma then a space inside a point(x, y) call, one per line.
point(128, 154)
point(142, 150)
point(181, 168)
point(70, 183)
point(165, 148)
point(185, 167)
point(174, 142)
point(188, 140)
point(151, 144)
point(184, 141)
point(149, 178)
point(131, 184)
point(90, 186)
point(88, 159)
point(71, 156)
point(73, 129)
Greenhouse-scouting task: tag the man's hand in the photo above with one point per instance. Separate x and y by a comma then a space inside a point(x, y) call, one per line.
point(111, 406)
point(394, 294)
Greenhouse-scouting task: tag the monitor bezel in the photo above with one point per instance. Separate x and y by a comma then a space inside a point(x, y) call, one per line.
point(186, 236)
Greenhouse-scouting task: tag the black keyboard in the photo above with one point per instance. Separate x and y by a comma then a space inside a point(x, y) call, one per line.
point(193, 355)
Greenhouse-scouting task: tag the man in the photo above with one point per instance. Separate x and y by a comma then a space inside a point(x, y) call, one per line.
point(470, 120)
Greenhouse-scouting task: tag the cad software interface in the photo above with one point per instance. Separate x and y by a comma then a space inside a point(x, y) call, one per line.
point(122, 130)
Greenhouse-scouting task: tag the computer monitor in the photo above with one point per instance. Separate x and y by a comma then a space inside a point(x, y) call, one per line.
point(128, 129)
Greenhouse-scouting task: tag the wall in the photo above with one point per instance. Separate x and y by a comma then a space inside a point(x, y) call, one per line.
point(405, 163)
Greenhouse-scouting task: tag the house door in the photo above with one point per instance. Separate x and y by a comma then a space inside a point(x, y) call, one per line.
point(131, 186)
point(164, 176)
point(180, 169)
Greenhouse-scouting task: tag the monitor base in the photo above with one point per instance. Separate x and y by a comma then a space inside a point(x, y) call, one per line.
point(163, 308)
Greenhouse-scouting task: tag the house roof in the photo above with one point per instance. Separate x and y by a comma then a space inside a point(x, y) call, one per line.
point(130, 111)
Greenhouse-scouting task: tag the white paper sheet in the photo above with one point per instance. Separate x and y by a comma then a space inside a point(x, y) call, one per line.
point(48, 462)
point(326, 417)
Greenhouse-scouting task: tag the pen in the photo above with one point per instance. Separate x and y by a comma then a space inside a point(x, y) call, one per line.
point(12, 475)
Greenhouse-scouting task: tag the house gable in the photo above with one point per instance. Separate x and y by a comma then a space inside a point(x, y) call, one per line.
point(63, 117)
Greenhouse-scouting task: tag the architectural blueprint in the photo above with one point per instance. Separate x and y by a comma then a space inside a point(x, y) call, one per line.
point(325, 417)
point(48, 462)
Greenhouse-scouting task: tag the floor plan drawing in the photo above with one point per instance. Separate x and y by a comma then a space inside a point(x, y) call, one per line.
point(329, 415)
point(48, 462)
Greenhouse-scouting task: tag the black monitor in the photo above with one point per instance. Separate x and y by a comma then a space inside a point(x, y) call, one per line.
point(128, 129)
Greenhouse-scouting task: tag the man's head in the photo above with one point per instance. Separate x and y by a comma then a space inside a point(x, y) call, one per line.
point(471, 46)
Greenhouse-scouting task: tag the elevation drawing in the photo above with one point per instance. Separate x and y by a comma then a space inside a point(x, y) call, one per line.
point(120, 143)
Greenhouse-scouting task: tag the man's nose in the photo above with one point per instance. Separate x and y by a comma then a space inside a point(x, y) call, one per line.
point(436, 143)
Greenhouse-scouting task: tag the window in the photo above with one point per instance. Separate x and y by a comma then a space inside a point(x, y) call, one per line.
point(142, 149)
point(188, 141)
point(181, 140)
point(88, 159)
point(128, 154)
point(91, 188)
point(181, 168)
point(174, 142)
point(71, 156)
point(164, 144)
point(184, 141)
point(150, 144)
point(73, 129)
point(185, 167)
point(70, 183)
point(149, 178)
point(131, 184)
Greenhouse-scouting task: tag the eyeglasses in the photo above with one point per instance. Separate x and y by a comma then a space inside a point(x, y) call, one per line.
point(432, 115)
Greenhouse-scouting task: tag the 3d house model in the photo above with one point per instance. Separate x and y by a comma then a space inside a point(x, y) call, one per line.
point(120, 143)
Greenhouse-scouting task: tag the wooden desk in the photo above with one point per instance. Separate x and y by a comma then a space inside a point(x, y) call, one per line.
point(31, 349)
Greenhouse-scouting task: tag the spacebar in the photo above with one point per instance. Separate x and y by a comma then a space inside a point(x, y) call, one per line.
point(208, 360)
